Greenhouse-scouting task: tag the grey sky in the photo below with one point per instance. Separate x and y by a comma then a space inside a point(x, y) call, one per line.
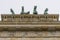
point(52, 5)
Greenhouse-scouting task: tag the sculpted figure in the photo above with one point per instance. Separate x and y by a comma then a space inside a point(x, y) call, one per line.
point(35, 11)
point(12, 11)
point(46, 10)
point(22, 12)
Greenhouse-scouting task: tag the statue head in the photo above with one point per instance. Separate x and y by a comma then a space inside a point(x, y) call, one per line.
point(22, 8)
point(35, 7)
point(11, 10)
point(46, 10)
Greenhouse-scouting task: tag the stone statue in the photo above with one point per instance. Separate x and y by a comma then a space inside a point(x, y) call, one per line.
point(46, 10)
point(12, 11)
point(22, 12)
point(34, 11)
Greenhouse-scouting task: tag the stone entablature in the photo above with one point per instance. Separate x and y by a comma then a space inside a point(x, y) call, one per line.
point(27, 26)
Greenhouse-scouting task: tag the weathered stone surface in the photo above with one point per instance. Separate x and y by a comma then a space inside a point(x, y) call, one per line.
point(30, 22)
point(29, 34)
point(29, 18)
point(29, 38)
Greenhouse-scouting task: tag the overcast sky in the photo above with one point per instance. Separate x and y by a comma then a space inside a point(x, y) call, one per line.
point(52, 5)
